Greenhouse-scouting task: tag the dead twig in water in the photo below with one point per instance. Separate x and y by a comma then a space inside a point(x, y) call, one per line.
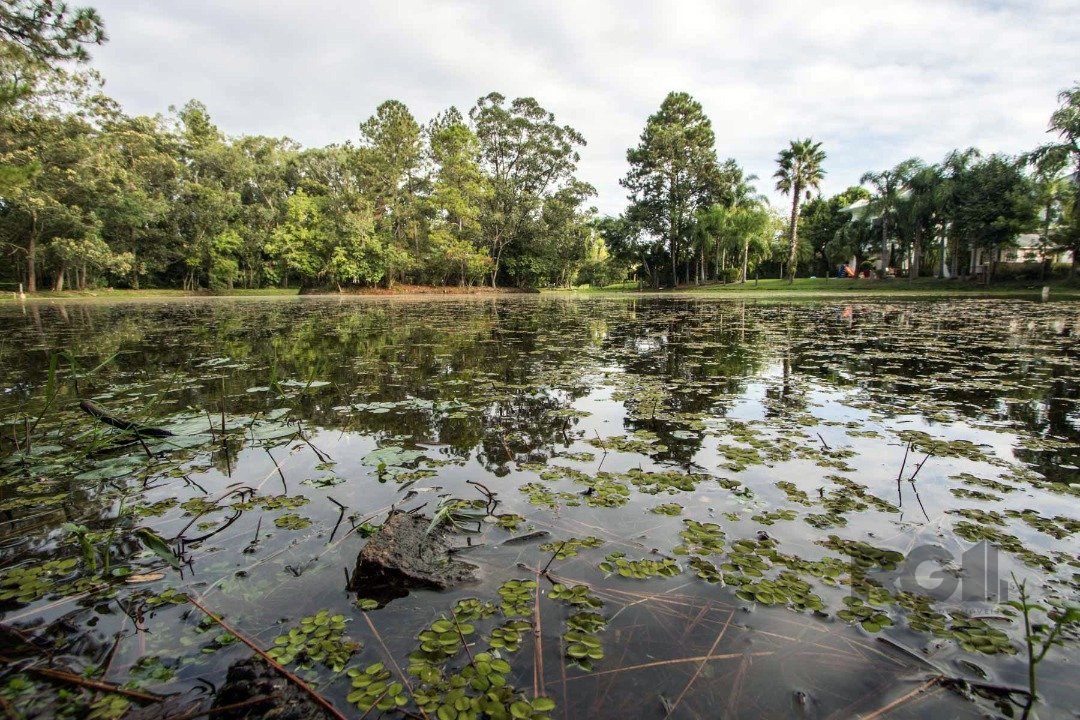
point(676, 661)
point(492, 503)
point(88, 683)
point(719, 637)
point(551, 559)
point(919, 466)
point(323, 457)
point(881, 712)
point(900, 476)
point(538, 641)
point(319, 699)
point(390, 658)
point(279, 472)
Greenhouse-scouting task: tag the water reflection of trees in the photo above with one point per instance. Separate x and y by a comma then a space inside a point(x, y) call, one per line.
point(1010, 363)
point(507, 364)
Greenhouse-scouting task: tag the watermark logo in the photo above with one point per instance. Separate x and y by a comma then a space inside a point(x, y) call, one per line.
point(936, 572)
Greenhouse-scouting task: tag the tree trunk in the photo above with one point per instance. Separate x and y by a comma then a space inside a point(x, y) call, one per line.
point(58, 284)
point(745, 258)
point(916, 254)
point(944, 245)
point(883, 264)
point(793, 232)
point(31, 251)
point(954, 266)
point(673, 247)
point(495, 262)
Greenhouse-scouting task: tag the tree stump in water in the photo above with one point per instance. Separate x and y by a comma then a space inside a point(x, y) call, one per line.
point(404, 556)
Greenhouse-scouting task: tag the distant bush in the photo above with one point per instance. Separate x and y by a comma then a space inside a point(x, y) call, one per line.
point(730, 275)
point(601, 273)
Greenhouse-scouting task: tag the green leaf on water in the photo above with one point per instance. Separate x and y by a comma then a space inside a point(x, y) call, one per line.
point(154, 542)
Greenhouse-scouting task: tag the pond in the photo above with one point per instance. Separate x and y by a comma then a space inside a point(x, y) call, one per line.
point(675, 508)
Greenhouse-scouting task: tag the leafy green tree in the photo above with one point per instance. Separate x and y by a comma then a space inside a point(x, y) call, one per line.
point(922, 211)
point(800, 171)
point(673, 172)
point(294, 242)
point(820, 220)
point(954, 169)
point(527, 157)
point(389, 162)
point(459, 193)
point(994, 203)
point(628, 246)
point(268, 169)
point(208, 198)
point(47, 148)
point(142, 173)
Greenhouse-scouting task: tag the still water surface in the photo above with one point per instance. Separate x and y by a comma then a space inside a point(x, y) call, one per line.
point(720, 478)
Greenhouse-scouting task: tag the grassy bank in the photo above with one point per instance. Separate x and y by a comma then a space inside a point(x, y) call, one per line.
point(836, 287)
point(766, 288)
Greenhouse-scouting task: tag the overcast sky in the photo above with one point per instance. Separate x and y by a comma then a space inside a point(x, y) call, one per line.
point(875, 81)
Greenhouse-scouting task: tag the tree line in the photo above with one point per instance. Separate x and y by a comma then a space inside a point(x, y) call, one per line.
point(90, 195)
point(692, 218)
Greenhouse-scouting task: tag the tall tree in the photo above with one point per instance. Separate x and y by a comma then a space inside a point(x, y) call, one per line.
point(888, 186)
point(143, 173)
point(994, 203)
point(390, 160)
point(527, 157)
point(820, 220)
point(47, 154)
point(208, 201)
point(799, 172)
point(673, 172)
point(1065, 152)
point(954, 169)
point(921, 211)
point(458, 194)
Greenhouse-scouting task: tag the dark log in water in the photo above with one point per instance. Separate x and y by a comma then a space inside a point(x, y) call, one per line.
point(92, 408)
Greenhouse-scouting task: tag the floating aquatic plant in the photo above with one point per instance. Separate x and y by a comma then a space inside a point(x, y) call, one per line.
point(319, 638)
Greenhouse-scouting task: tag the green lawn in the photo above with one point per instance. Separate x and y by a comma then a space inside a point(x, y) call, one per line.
point(770, 288)
point(837, 287)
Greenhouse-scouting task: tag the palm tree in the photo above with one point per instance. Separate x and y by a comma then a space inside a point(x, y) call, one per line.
point(922, 207)
point(954, 167)
point(1065, 123)
point(800, 171)
point(888, 185)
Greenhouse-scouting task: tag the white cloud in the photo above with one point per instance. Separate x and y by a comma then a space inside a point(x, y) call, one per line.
point(877, 82)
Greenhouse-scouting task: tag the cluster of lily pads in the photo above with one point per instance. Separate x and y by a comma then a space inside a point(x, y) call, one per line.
point(319, 638)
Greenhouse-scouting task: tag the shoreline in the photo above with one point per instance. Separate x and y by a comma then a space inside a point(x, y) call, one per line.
point(804, 288)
